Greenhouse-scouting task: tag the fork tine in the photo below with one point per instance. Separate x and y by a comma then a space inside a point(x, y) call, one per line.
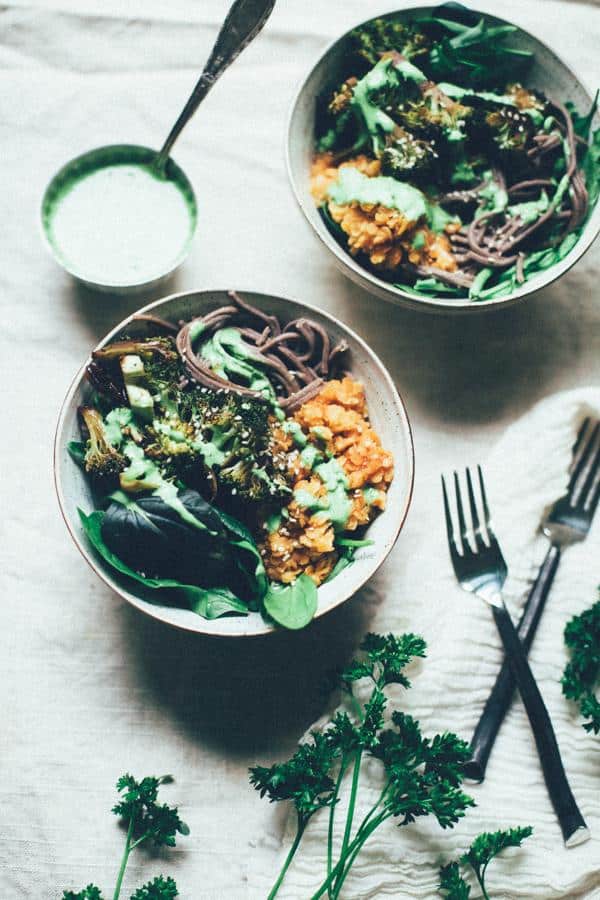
point(592, 471)
point(578, 441)
point(486, 509)
point(473, 509)
point(449, 526)
point(585, 451)
point(594, 500)
point(462, 524)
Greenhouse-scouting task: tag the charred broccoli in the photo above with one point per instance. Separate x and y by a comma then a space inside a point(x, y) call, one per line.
point(247, 481)
point(509, 129)
point(369, 42)
point(406, 156)
point(102, 460)
point(234, 434)
point(161, 368)
point(434, 116)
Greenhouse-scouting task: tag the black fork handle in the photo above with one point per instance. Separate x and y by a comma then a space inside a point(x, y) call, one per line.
point(503, 691)
point(571, 821)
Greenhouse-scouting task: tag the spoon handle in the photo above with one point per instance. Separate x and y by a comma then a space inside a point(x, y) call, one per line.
point(244, 21)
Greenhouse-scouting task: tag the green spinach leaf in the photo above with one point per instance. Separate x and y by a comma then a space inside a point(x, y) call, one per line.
point(292, 605)
point(209, 603)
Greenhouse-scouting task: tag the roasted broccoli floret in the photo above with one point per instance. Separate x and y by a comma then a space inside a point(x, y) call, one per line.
point(161, 368)
point(406, 156)
point(247, 481)
point(509, 129)
point(235, 424)
point(234, 432)
point(434, 116)
point(342, 98)
point(369, 42)
point(103, 462)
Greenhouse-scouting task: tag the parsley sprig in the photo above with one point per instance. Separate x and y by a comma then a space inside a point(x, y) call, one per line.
point(478, 857)
point(147, 820)
point(582, 674)
point(422, 776)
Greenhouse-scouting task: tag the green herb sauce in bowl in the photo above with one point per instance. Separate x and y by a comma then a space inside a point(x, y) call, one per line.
point(113, 223)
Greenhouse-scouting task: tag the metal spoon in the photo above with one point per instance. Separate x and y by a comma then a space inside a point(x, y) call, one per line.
point(244, 21)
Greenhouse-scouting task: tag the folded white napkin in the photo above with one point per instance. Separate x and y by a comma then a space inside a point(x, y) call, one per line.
point(526, 471)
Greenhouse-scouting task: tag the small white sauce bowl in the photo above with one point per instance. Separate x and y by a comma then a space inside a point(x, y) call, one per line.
point(96, 159)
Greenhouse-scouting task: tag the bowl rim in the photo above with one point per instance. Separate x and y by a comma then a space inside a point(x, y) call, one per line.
point(111, 286)
point(386, 291)
point(154, 610)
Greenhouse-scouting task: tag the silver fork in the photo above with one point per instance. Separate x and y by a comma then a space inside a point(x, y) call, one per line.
point(480, 569)
point(567, 522)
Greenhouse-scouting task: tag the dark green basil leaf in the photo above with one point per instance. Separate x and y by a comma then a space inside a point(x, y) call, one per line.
point(209, 603)
point(292, 605)
point(151, 537)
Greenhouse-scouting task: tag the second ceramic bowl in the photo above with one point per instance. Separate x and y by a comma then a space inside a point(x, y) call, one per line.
point(548, 73)
point(386, 412)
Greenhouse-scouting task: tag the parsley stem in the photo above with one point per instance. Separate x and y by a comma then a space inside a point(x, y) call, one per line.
point(332, 809)
point(351, 803)
point(124, 859)
point(289, 858)
point(480, 876)
point(356, 846)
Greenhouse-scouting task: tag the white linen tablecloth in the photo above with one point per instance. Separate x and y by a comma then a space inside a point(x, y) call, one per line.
point(89, 687)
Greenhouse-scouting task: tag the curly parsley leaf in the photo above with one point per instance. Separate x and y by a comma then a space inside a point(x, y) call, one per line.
point(151, 821)
point(304, 779)
point(91, 892)
point(384, 659)
point(421, 776)
point(453, 884)
point(482, 851)
point(582, 673)
point(146, 820)
point(159, 888)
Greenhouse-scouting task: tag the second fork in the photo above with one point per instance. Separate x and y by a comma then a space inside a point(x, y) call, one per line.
point(480, 569)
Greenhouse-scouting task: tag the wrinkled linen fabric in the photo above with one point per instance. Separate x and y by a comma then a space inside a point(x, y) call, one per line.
point(90, 688)
point(524, 474)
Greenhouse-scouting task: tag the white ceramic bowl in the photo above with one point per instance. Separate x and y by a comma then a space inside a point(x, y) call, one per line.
point(387, 414)
point(547, 73)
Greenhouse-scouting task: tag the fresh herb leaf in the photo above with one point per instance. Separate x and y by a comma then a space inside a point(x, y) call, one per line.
point(210, 603)
point(582, 124)
point(139, 809)
point(384, 659)
point(146, 820)
point(158, 889)
point(474, 54)
point(76, 450)
point(292, 605)
point(421, 776)
point(482, 851)
point(452, 884)
point(91, 892)
point(582, 673)
point(590, 166)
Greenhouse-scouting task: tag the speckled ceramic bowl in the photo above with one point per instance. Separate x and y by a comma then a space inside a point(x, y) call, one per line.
point(547, 73)
point(388, 416)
